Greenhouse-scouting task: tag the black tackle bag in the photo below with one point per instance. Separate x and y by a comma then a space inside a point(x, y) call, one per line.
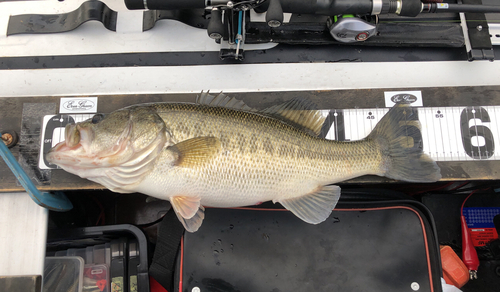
point(363, 246)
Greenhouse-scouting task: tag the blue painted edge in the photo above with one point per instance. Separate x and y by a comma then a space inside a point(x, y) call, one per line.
point(55, 202)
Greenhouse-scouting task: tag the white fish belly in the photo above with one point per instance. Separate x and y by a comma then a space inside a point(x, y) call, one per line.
point(222, 192)
point(229, 181)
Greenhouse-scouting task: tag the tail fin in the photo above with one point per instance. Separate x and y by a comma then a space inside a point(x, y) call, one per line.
point(403, 159)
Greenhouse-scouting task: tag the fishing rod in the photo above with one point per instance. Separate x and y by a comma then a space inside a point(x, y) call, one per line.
point(323, 7)
point(348, 21)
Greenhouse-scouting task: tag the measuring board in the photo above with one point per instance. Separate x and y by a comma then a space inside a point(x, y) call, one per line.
point(447, 133)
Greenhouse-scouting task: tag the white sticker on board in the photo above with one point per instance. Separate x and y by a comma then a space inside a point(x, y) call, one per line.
point(413, 98)
point(73, 105)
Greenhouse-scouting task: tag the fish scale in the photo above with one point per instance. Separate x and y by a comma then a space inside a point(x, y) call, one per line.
point(221, 153)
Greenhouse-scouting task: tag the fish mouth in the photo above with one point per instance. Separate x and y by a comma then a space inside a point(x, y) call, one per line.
point(73, 150)
point(64, 154)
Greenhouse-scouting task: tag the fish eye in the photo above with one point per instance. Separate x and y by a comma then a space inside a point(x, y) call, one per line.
point(97, 118)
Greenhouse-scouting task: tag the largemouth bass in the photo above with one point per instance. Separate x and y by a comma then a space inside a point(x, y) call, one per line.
point(219, 152)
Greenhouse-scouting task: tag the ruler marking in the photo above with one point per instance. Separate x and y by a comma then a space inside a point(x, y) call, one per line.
point(350, 125)
point(360, 127)
point(428, 129)
point(461, 153)
point(496, 110)
point(61, 134)
point(471, 150)
point(450, 118)
point(438, 145)
point(440, 117)
point(477, 134)
point(446, 141)
point(371, 121)
point(484, 113)
point(489, 152)
point(336, 125)
point(492, 110)
point(431, 125)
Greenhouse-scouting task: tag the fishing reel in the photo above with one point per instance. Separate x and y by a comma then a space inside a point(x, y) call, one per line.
point(349, 28)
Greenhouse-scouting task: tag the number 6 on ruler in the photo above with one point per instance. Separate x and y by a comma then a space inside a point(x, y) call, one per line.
point(477, 139)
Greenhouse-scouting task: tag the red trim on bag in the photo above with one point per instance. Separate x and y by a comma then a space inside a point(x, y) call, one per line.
point(356, 210)
point(181, 264)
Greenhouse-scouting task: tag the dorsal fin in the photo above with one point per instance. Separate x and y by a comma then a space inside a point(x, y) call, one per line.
point(300, 113)
point(222, 100)
point(297, 112)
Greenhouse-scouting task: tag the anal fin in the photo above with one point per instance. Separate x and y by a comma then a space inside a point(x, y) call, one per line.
point(189, 211)
point(316, 206)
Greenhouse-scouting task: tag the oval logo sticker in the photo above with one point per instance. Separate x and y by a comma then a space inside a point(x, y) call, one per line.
point(78, 105)
point(405, 98)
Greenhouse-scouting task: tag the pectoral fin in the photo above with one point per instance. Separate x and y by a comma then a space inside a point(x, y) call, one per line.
point(195, 151)
point(189, 211)
point(314, 207)
point(185, 206)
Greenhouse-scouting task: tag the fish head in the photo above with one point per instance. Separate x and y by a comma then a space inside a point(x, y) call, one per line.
point(126, 139)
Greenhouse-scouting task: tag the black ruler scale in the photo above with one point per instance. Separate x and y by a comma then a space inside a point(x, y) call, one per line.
point(447, 133)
